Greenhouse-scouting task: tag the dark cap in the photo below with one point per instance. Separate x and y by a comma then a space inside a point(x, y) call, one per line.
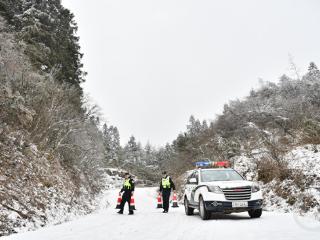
point(164, 172)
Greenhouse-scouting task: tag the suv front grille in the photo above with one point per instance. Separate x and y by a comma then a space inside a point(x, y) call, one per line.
point(237, 193)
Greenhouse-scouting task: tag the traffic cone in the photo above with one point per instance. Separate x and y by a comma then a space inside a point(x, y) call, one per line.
point(132, 205)
point(174, 200)
point(119, 201)
point(159, 198)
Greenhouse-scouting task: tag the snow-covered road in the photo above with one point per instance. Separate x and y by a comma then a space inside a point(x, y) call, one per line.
point(150, 223)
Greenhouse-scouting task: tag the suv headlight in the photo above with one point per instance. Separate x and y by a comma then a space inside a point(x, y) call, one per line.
point(214, 189)
point(255, 188)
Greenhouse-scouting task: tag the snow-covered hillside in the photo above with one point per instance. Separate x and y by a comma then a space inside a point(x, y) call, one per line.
point(287, 195)
point(150, 223)
point(60, 212)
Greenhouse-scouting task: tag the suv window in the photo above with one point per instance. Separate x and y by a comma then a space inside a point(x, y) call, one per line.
point(191, 176)
point(219, 175)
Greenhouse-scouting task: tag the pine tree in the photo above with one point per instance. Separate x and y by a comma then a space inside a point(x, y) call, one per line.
point(111, 141)
point(204, 126)
point(313, 72)
point(194, 127)
point(133, 151)
point(149, 155)
point(49, 31)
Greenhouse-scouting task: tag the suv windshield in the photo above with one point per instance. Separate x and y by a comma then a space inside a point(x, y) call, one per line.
point(219, 175)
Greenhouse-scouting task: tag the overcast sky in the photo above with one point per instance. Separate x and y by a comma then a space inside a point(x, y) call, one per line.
point(153, 63)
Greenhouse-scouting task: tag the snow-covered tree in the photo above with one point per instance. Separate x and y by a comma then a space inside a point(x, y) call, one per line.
point(111, 141)
point(194, 126)
point(313, 74)
point(132, 151)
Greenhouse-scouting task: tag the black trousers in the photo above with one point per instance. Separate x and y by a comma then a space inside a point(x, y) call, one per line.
point(166, 198)
point(126, 197)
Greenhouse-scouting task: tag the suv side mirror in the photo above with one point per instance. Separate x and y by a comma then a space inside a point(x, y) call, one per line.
point(193, 180)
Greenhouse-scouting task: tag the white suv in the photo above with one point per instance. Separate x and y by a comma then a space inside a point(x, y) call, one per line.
point(221, 190)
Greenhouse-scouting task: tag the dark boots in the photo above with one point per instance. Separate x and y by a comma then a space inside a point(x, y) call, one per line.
point(121, 212)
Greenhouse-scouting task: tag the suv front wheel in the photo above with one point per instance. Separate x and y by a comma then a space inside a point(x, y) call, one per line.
point(255, 213)
point(188, 210)
point(204, 214)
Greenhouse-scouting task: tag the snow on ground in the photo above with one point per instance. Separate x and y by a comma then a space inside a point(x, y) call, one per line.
point(303, 158)
point(150, 223)
point(306, 158)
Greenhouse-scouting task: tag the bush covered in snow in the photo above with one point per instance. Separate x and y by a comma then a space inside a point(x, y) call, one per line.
point(292, 185)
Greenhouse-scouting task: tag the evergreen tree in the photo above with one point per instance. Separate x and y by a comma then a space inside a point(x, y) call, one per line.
point(204, 126)
point(111, 141)
point(313, 72)
point(132, 151)
point(194, 127)
point(49, 31)
point(149, 155)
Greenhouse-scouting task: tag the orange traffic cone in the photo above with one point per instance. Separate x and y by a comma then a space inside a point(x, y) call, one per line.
point(159, 198)
point(132, 205)
point(119, 201)
point(174, 200)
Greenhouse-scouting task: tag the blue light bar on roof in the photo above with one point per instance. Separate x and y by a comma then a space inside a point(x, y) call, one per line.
point(203, 164)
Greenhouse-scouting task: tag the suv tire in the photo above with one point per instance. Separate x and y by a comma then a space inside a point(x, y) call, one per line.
point(255, 213)
point(188, 210)
point(204, 214)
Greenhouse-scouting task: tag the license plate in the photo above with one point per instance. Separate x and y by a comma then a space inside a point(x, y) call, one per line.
point(239, 204)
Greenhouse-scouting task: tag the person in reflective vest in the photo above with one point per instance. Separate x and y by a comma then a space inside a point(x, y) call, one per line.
point(127, 190)
point(166, 185)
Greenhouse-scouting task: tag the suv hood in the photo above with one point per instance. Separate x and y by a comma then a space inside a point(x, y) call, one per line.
point(229, 184)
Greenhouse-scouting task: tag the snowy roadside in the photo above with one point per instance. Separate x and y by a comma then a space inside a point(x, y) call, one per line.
point(150, 223)
point(284, 195)
point(59, 213)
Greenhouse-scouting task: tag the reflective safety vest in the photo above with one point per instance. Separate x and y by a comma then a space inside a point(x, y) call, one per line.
point(166, 182)
point(127, 185)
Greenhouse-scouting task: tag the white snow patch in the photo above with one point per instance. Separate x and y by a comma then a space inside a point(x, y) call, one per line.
point(150, 223)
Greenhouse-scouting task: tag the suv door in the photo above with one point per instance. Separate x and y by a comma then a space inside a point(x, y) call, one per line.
point(188, 187)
